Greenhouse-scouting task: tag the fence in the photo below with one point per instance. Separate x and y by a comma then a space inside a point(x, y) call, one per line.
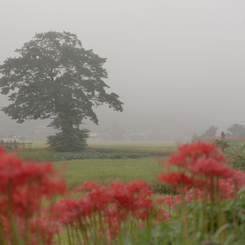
point(13, 144)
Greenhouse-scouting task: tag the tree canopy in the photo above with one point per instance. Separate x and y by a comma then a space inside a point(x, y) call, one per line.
point(237, 130)
point(55, 77)
point(211, 132)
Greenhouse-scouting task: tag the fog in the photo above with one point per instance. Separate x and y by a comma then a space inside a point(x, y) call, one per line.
point(177, 65)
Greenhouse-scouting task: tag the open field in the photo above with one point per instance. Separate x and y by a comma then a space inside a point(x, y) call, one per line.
point(135, 144)
point(152, 147)
point(155, 147)
point(118, 144)
point(105, 171)
point(30, 144)
point(96, 213)
point(39, 144)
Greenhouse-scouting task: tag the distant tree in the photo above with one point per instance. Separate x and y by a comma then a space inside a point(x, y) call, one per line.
point(211, 132)
point(55, 77)
point(236, 130)
point(195, 138)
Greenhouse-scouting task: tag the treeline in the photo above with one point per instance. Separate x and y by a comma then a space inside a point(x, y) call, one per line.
point(234, 131)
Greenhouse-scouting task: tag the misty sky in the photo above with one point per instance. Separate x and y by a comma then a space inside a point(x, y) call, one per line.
point(178, 65)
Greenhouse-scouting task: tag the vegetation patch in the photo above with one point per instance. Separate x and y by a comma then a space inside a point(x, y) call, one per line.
point(234, 151)
point(206, 205)
point(100, 150)
point(46, 155)
point(105, 171)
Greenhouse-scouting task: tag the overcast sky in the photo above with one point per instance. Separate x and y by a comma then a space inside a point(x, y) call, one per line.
point(178, 65)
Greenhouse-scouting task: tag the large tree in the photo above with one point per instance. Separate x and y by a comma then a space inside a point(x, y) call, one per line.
point(55, 77)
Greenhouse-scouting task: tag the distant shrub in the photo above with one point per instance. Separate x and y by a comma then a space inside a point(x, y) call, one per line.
point(234, 150)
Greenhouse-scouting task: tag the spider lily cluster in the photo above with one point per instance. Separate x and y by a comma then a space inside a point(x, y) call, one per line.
point(30, 214)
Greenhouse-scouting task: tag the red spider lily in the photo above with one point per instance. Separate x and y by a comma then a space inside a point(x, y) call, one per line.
point(198, 149)
point(111, 218)
point(87, 186)
point(145, 208)
point(112, 205)
point(179, 179)
point(138, 186)
point(226, 191)
point(189, 153)
point(239, 178)
point(100, 198)
point(22, 188)
point(44, 229)
point(210, 167)
point(178, 159)
point(165, 215)
point(69, 211)
point(193, 194)
point(107, 209)
point(40, 231)
point(15, 175)
point(167, 200)
point(21, 204)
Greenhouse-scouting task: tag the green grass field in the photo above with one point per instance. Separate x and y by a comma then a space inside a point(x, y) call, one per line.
point(105, 171)
point(152, 147)
point(126, 144)
point(119, 144)
point(155, 147)
point(134, 144)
